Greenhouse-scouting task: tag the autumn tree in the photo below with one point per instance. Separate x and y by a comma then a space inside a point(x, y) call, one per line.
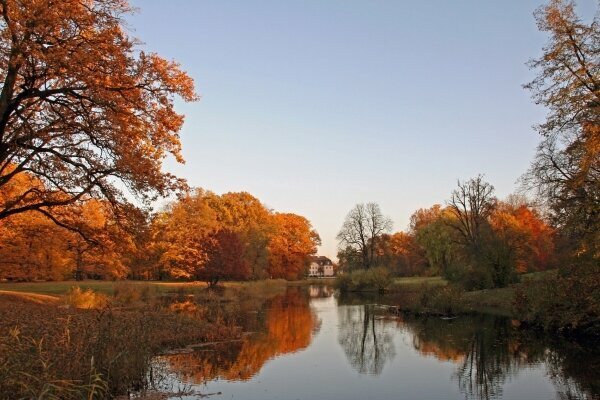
point(108, 247)
point(225, 258)
point(292, 243)
point(566, 169)
point(471, 203)
point(362, 229)
point(34, 248)
point(181, 233)
point(230, 236)
point(244, 214)
point(431, 228)
point(82, 109)
point(522, 238)
point(401, 254)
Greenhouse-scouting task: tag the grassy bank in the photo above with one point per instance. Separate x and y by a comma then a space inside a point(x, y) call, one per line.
point(564, 303)
point(97, 340)
point(108, 287)
point(434, 295)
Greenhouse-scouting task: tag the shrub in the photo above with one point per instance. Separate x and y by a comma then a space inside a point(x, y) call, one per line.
point(188, 307)
point(568, 301)
point(87, 299)
point(374, 279)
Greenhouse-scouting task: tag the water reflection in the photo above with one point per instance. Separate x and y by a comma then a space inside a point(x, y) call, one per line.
point(482, 347)
point(366, 340)
point(488, 351)
point(472, 357)
point(287, 325)
point(320, 292)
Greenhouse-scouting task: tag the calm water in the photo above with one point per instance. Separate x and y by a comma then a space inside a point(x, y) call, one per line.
point(310, 344)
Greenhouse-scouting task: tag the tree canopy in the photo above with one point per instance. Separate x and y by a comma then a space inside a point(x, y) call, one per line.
point(566, 169)
point(82, 109)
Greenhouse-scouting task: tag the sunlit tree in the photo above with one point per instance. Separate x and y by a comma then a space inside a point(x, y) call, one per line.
point(82, 109)
point(566, 169)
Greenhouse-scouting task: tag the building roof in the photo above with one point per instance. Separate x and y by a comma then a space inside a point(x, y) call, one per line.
point(321, 260)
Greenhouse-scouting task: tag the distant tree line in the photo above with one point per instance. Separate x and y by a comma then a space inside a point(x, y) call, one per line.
point(475, 239)
point(202, 236)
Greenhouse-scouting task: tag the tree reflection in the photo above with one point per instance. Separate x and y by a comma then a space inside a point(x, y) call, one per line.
point(487, 364)
point(488, 351)
point(485, 353)
point(366, 340)
point(575, 370)
point(289, 325)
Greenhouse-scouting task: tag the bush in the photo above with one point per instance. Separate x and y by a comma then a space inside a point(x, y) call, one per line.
point(364, 280)
point(568, 301)
point(479, 272)
point(87, 299)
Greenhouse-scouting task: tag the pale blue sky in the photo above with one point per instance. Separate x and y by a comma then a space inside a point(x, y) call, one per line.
point(314, 106)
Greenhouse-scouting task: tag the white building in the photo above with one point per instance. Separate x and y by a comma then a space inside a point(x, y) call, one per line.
point(320, 266)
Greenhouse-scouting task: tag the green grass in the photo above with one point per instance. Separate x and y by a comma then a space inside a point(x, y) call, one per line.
point(419, 281)
point(491, 301)
point(500, 301)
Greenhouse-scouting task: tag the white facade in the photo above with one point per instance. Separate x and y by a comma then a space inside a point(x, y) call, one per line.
point(320, 267)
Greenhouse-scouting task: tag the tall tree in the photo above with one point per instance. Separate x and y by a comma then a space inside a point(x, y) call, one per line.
point(225, 253)
point(251, 220)
point(182, 234)
point(81, 108)
point(566, 169)
point(471, 203)
point(432, 230)
point(362, 229)
point(292, 242)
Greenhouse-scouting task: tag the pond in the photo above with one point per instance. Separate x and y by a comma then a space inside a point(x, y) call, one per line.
point(312, 344)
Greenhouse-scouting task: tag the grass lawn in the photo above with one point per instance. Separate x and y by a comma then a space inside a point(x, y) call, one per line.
point(499, 301)
point(418, 281)
point(489, 301)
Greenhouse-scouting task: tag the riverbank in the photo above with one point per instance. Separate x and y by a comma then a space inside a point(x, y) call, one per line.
point(58, 288)
point(97, 340)
point(433, 295)
point(563, 303)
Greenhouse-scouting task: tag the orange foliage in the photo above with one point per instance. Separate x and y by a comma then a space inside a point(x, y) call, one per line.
point(292, 242)
point(34, 247)
point(232, 236)
point(527, 234)
point(82, 107)
point(289, 326)
point(401, 251)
